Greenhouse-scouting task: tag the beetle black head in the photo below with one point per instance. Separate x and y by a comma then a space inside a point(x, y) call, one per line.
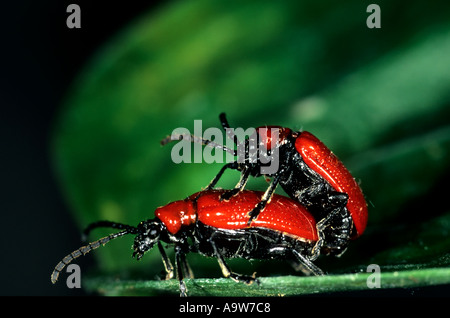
point(148, 235)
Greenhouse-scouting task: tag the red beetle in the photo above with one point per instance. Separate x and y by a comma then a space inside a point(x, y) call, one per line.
point(205, 224)
point(307, 171)
point(321, 160)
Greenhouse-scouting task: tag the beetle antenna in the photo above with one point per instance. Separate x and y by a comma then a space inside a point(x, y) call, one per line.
point(83, 251)
point(114, 225)
point(199, 140)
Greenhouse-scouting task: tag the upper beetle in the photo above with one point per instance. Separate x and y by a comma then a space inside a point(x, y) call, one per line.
point(308, 171)
point(205, 224)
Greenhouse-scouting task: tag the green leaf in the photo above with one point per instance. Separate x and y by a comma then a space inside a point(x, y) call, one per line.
point(378, 98)
point(270, 286)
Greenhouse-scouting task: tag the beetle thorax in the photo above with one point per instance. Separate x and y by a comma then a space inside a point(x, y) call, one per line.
point(176, 214)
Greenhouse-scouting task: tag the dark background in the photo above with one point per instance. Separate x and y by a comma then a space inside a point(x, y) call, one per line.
point(40, 58)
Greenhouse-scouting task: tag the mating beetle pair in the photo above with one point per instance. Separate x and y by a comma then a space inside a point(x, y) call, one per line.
point(308, 172)
point(325, 211)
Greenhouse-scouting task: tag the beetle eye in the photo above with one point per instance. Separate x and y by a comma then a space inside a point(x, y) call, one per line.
point(153, 230)
point(153, 233)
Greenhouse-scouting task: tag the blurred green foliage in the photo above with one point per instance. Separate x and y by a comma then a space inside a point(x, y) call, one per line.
point(379, 98)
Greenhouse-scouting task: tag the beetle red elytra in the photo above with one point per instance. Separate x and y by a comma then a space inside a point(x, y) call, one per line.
point(205, 224)
point(322, 161)
point(308, 172)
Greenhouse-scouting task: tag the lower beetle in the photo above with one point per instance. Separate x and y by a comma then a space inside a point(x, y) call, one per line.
point(205, 224)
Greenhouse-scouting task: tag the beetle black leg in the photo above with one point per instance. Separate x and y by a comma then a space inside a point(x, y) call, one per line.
point(231, 165)
point(213, 183)
point(305, 265)
point(321, 226)
point(179, 256)
point(245, 171)
point(239, 186)
point(166, 261)
point(226, 271)
point(226, 127)
point(335, 227)
point(264, 200)
point(187, 271)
